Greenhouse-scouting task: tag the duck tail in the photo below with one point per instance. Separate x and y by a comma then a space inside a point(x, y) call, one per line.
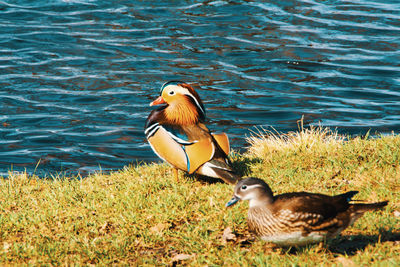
point(219, 169)
point(228, 176)
point(363, 207)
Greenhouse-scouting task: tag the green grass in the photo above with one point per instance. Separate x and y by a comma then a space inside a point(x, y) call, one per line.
point(141, 216)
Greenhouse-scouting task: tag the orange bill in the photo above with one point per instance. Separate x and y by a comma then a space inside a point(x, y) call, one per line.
point(158, 101)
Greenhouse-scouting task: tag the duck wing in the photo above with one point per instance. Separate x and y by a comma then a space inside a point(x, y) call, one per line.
point(223, 142)
point(174, 147)
point(314, 212)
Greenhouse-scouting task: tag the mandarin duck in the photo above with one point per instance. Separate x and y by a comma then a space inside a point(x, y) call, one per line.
point(177, 134)
point(297, 219)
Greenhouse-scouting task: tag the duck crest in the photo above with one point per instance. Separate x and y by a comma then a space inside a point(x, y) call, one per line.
point(194, 94)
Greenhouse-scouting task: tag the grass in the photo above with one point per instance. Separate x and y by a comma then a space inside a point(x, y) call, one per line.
point(141, 216)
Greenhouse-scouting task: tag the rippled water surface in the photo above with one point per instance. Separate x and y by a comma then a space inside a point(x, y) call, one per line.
point(76, 77)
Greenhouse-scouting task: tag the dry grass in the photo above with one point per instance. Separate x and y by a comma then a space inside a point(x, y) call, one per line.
point(263, 141)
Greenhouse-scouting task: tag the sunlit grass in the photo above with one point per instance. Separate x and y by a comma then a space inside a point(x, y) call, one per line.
point(263, 141)
point(141, 216)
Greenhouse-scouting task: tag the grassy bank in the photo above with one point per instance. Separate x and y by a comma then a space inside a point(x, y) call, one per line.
point(141, 215)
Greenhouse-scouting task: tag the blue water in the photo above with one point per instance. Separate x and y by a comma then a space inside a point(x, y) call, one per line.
point(76, 77)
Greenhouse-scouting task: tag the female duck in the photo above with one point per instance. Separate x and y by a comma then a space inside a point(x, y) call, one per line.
point(177, 134)
point(296, 219)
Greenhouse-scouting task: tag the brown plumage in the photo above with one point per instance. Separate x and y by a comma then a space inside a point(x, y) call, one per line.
point(300, 218)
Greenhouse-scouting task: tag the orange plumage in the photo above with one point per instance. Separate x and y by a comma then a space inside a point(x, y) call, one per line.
point(177, 134)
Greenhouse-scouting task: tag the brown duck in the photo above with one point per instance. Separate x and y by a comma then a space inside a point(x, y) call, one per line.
point(296, 219)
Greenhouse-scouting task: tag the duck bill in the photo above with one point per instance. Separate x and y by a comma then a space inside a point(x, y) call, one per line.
point(158, 101)
point(232, 202)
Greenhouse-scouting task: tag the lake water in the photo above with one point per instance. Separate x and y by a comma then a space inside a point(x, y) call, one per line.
point(77, 77)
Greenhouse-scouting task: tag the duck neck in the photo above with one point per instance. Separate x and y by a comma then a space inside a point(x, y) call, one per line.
point(181, 114)
point(260, 202)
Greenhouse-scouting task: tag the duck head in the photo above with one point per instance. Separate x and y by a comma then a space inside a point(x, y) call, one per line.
point(183, 104)
point(253, 189)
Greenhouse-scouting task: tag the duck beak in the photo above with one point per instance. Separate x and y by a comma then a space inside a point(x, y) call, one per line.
point(158, 101)
point(232, 201)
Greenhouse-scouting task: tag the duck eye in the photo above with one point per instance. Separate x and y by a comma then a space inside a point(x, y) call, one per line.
point(171, 93)
point(244, 187)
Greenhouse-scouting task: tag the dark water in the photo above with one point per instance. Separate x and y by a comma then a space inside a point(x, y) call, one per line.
point(76, 77)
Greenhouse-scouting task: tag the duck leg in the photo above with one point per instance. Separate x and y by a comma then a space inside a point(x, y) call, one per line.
point(176, 174)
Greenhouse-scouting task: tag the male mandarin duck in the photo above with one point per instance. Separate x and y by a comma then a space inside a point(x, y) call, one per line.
point(177, 134)
point(297, 219)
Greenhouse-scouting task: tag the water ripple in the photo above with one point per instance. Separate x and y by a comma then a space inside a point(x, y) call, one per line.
point(76, 76)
